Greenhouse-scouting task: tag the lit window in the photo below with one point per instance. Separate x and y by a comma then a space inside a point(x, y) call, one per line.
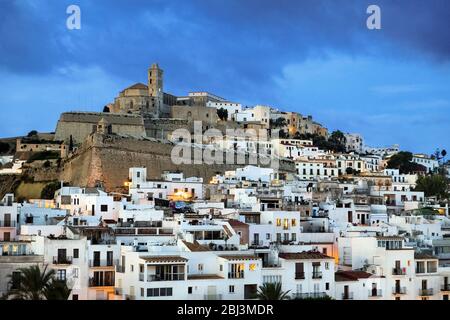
point(278, 222)
point(252, 266)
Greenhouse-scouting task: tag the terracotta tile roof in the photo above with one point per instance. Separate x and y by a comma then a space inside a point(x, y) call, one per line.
point(305, 255)
point(164, 259)
point(137, 86)
point(204, 277)
point(352, 275)
point(239, 257)
point(195, 247)
point(237, 223)
point(424, 256)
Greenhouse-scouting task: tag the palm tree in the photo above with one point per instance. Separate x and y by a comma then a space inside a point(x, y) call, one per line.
point(32, 284)
point(57, 290)
point(272, 291)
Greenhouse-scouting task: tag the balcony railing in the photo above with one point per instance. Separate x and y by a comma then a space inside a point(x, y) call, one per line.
point(399, 290)
point(375, 293)
point(445, 287)
point(425, 292)
point(257, 244)
point(62, 260)
point(165, 277)
point(299, 275)
point(120, 268)
point(236, 275)
point(212, 297)
point(317, 275)
point(7, 224)
point(97, 283)
point(398, 271)
point(347, 296)
point(309, 295)
point(102, 263)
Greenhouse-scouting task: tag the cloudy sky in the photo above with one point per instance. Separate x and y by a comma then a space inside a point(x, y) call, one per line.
point(311, 56)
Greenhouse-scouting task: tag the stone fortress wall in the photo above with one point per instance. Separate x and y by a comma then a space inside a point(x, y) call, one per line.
point(107, 159)
point(80, 125)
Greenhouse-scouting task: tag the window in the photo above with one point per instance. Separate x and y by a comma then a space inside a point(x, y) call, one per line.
point(132, 267)
point(142, 289)
point(231, 289)
point(278, 222)
point(221, 267)
point(61, 274)
point(267, 236)
point(75, 253)
point(200, 267)
point(327, 286)
point(293, 222)
point(189, 290)
point(74, 297)
point(252, 266)
point(159, 292)
point(294, 237)
point(104, 208)
point(327, 265)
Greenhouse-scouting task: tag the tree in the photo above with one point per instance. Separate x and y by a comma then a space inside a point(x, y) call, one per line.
point(403, 162)
point(31, 284)
point(433, 186)
point(349, 170)
point(222, 114)
point(57, 290)
point(337, 141)
point(272, 291)
point(32, 133)
point(278, 123)
point(48, 192)
point(4, 147)
point(283, 134)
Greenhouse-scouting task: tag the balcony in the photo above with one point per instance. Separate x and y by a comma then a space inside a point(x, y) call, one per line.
point(7, 224)
point(102, 263)
point(165, 277)
point(347, 296)
point(375, 293)
point(120, 269)
point(399, 271)
point(299, 275)
point(445, 287)
point(97, 283)
point(236, 275)
point(309, 295)
point(258, 244)
point(212, 297)
point(399, 290)
point(317, 275)
point(62, 260)
point(425, 292)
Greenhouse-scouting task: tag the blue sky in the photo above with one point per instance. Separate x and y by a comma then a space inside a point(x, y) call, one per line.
point(311, 56)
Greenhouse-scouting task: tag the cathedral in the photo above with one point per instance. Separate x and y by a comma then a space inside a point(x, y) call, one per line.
point(146, 100)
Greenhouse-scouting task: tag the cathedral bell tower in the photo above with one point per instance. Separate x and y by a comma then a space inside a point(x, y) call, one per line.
point(155, 86)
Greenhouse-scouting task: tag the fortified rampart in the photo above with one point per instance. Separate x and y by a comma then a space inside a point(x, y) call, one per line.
point(80, 125)
point(107, 159)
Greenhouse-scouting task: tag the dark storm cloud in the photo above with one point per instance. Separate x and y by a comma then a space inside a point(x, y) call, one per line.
point(234, 48)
